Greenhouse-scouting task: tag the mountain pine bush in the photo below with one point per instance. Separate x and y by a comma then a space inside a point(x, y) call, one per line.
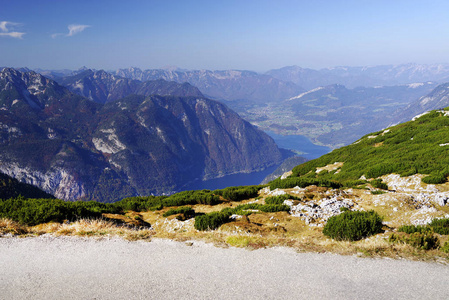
point(280, 199)
point(237, 193)
point(186, 211)
point(425, 240)
point(440, 226)
point(211, 221)
point(353, 225)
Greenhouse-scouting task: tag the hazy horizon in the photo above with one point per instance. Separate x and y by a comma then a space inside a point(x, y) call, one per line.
point(235, 69)
point(240, 35)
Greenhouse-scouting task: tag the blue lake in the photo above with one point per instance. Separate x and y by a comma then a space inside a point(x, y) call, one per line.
point(291, 142)
point(231, 180)
point(299, 143)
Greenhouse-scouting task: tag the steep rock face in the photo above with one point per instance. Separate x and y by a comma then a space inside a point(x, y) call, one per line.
point(223, 85)
point(173, 139)
point(11, 188)
point(78, 149)
point(102, 87)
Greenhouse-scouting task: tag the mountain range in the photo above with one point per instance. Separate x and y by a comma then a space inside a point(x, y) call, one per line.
point(367, 76)
point(323, 113)
point(100, 86)
point(277, 84)
point(228, 85)
point(76, 148)
point(334, 106)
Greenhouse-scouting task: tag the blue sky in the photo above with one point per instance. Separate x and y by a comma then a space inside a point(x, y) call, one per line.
point(253, 35)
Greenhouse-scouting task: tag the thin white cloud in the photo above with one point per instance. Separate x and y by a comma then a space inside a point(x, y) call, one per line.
point(5, 29)
point(13, 34)
point(55, 35)
point(5, 24)
point(76, 28)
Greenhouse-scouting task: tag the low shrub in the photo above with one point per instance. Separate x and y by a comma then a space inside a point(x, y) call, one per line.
point(440, 226)
point(377, 192)
point(445, 247)
point(353, 225)
point(379, 184)
point(302, 182)
point(238, 193)
point(186, 211)
point(280, 199)
point(436, 178)
point(412, 229)
point(424, 241)
point(37, 211)
point(191, 197)
point(353, 183)
point(214, 220)
point(274, 208)
point(247, 209)
point(211, 221)
point(140, 203)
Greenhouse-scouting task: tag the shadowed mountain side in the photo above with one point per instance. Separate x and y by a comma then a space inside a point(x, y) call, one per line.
point(12, 188)
point(78, 149)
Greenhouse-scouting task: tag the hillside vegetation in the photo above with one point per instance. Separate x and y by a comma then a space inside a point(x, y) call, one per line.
point(346, 202)
point(420, 146)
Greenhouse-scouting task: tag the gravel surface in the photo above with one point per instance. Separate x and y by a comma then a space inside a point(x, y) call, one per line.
point(49, 267)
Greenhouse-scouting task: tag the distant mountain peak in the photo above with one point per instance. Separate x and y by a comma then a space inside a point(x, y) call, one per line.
point(227, 85)
point(102, 87)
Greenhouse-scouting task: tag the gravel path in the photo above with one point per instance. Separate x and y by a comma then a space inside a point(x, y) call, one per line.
point(78, 268)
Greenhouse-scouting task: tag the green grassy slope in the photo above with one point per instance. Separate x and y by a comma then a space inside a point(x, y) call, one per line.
point(409, 148)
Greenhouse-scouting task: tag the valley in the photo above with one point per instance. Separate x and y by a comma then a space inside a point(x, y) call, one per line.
point(333, 115)
point(375, 176)
point(224, 149)
point(206, 164)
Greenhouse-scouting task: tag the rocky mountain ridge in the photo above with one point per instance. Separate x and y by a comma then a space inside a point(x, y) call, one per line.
point(103, 87)
point(228, 85)
point(75, 148)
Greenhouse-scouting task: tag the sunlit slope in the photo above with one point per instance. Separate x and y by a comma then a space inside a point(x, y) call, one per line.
point(418, 146)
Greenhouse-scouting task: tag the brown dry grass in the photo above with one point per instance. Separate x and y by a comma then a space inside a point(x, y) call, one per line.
point(9, 227)
point(258, 230)
point(84, 227)
point(378, 144)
